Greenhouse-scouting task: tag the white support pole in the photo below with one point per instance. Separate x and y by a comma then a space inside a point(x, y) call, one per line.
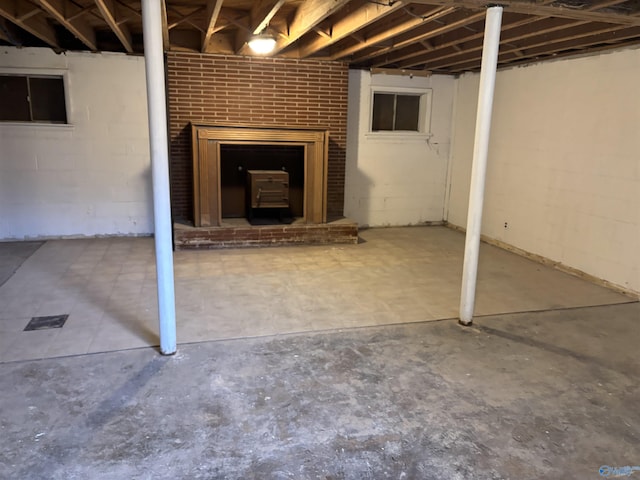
point(157, 111)
point(490, 48)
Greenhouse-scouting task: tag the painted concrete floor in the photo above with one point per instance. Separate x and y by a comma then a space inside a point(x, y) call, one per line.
point(539, 395)
point(396, 275)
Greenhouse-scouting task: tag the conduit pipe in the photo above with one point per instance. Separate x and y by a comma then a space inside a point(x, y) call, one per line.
point(490, 49)
point(154, 68)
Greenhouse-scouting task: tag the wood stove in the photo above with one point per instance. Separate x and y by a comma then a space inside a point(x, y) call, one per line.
point(267, 189)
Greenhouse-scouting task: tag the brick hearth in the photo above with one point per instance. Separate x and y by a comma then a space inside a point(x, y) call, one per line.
point(234, 235)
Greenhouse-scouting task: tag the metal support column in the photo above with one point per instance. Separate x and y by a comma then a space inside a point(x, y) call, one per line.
point(479, 168)
point(156, 103)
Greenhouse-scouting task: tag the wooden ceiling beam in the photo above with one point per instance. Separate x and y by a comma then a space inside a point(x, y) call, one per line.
point(449, 26)
point(411, 56)
point(352, 22)
point(36, 25)
point(608, 45)
point(307, 16)
point(166, 42)
point(505, 39)
point(28, 14)
point(612, 41)
point(80, 12)
point(534, 8)
point(262, 12)
point(389, 33)
point(548, 45)
point(184, 18)
point(213, 10)
point(109, 14)
point(59, 9)
point(420, 58)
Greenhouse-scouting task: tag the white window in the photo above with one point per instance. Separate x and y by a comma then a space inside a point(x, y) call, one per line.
point(402, 110)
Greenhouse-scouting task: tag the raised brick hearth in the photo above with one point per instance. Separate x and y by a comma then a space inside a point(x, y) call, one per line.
point(238, 235)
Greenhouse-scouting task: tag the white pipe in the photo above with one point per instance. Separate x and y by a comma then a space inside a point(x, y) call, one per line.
point(490, 49)
point(157, 111)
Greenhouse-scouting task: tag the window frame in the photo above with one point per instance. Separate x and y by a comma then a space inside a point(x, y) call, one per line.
point(42, 72)
point(424, 115)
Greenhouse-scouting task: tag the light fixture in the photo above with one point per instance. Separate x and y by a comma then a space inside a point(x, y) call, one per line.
point(262, 44)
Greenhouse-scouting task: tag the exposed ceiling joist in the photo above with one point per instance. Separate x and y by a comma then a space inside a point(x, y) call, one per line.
point(447, 27)
point(166, 43)
point(213, 10)
point(396, 30)
point(534, 30)
point(36, 25)
point(544, 47)
point(183, 18)
point(308, 15)
point(348, 24)
point(534, 8)
point(262, 13)
point(439, 35)
point(552, 25)
point(109, 14)
point(60, 10)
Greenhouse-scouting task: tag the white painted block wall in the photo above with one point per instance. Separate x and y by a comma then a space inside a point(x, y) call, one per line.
point(91, 177)
point(564, 162)
point(398, 179)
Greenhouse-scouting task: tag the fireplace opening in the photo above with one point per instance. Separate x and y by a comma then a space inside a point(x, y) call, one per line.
point(238, 159)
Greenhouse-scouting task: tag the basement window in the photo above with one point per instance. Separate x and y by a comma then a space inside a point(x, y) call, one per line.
point(400, 111)
point(32, 98)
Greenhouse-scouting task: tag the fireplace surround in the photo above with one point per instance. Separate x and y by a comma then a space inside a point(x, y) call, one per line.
point(218, 227)
point(208, 141)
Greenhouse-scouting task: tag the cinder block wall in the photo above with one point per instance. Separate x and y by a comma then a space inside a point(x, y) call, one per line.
point(256, 91)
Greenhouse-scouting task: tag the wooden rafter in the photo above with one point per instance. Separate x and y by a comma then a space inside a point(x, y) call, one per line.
point(610, 41)
point(166, 44)
point(60, 9)
point(34, 24)
point(184, 18)
point(108, 10)
point(213, 10)
point(348, 24)
point(555, 24)
point(308, 15)
point(534, 8)
point(262, 12)
point(393, 32)
point(449, 26)
point(412, 60)
point(547, 45)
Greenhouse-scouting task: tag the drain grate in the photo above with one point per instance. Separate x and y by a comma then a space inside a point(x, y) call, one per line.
point(52, 321)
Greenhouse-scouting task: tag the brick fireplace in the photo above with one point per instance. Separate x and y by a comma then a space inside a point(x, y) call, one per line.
point(256, 92)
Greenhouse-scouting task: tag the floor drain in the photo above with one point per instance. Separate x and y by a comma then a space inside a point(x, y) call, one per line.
point(52, 321)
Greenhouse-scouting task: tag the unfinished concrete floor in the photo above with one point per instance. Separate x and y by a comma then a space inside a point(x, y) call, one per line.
point(550, 395)
point(372, 388)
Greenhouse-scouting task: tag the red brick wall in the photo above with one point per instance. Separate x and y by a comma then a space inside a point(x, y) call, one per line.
point(258, 91)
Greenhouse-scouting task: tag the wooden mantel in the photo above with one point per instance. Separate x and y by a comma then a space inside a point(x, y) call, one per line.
point(206, 141)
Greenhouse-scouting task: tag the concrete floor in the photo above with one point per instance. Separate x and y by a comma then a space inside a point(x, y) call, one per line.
point(537, 395)
point(373, 387)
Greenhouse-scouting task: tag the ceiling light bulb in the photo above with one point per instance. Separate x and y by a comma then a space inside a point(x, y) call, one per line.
point(262, 44)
